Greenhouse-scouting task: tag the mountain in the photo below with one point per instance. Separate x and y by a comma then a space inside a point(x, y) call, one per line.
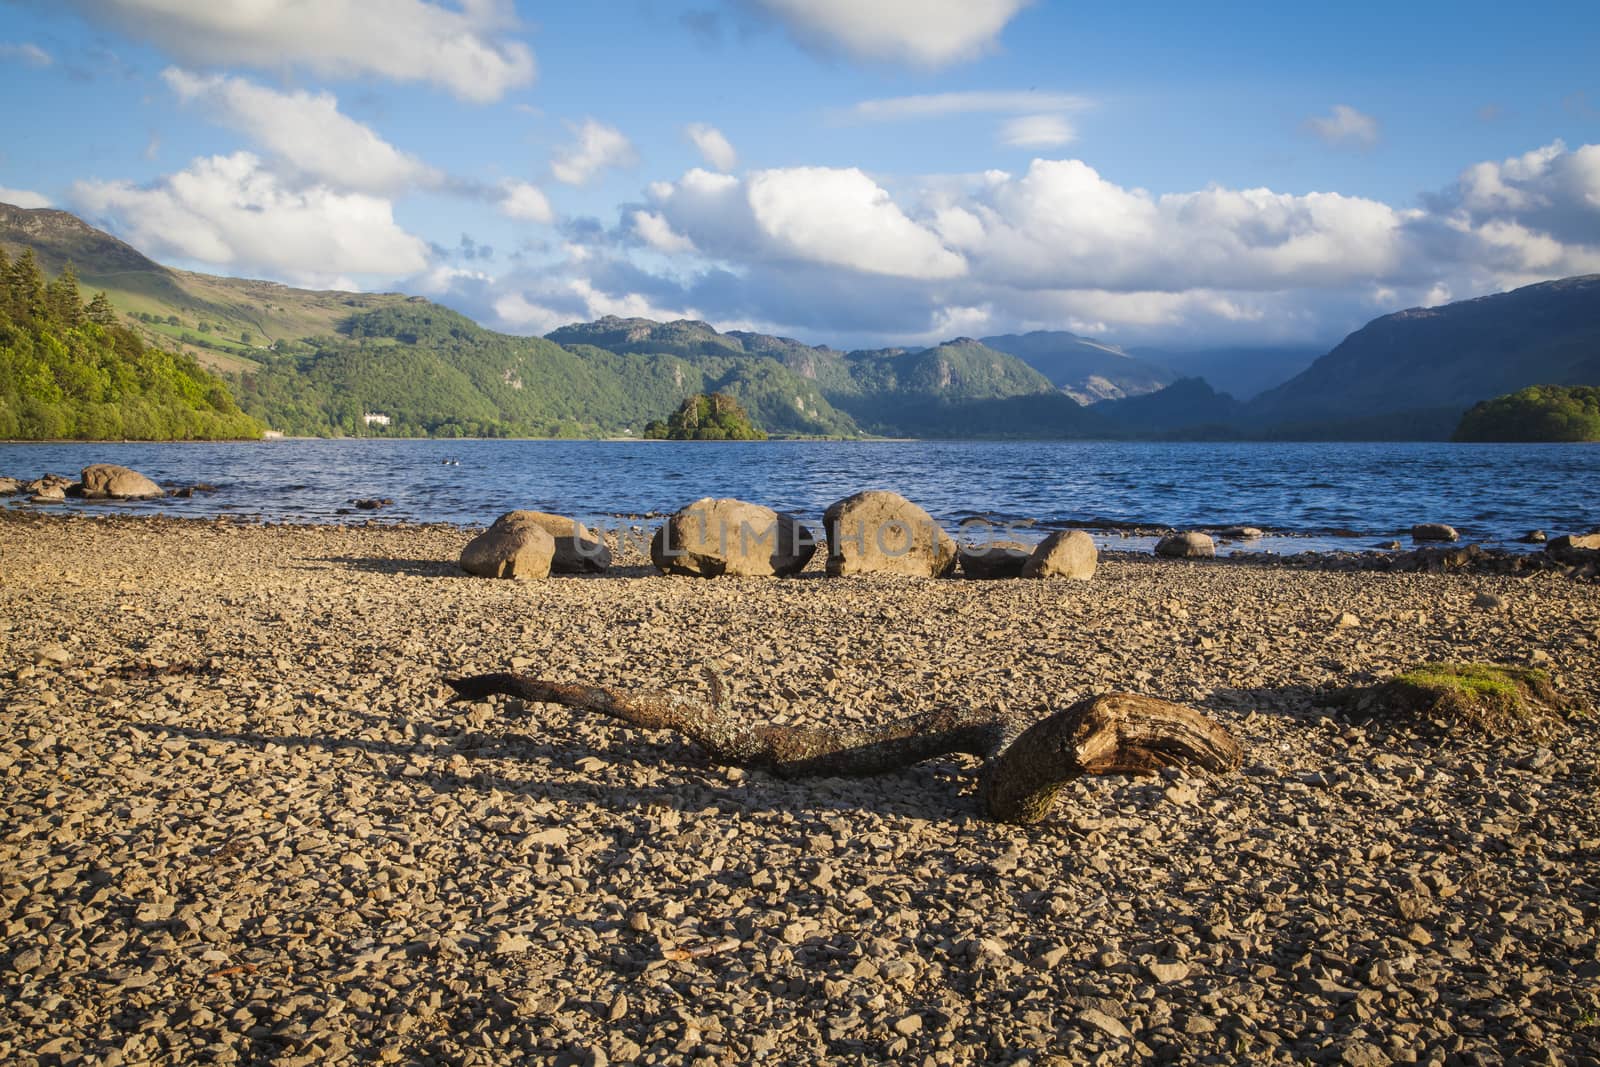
point(1412, 374)
point(1088, 371)
point(431, 370)
point(224, 323)
point(1188, 408)
point(1240, 371)
point(959, 388)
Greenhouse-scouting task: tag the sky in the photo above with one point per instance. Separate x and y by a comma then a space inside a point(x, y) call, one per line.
point(848, 172)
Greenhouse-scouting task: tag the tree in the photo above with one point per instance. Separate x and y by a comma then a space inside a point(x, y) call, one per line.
point(100, 311)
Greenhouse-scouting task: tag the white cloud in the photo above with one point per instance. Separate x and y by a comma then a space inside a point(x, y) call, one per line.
point(24, 198)
point(304, 130)
point(464, 49)
point(597, 147)
point(659, 234)
point(1345, 125)
point(1037, 131)
point(231, 212)
point(815, 215)
point(713, 146)
point(939, 105)
point(843, 218)
point(929, 33)
point(26, 53)
point(520, 200)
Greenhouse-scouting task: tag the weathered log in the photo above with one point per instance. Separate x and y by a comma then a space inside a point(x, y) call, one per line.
point(1025, 764)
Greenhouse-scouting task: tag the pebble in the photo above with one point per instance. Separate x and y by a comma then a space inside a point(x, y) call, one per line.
point(242, 824)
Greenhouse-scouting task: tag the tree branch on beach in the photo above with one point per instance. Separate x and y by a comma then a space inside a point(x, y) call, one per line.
point(1025, 764)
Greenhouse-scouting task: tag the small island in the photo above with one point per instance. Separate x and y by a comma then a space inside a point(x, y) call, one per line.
point(717, 417)
point(1537, 413)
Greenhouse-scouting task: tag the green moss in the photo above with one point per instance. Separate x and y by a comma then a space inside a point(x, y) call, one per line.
point(1494, 699)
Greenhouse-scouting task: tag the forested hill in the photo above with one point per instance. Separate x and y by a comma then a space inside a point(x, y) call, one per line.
point(1416, 371)
point(962, 388)
point(431, 371)
point(68, 369)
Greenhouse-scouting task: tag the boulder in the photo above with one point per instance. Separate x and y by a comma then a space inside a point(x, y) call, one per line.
point(1534, 537)
point(878, 532)
point(579, 550)
point(1568, 542)
point(1242, 533)
point(48, 494)
point(1434, 531)
point(993, 559)
point(55, 486)
point(521, 550)
point(1064, 554)
point(713, 537)
point(10, 486)
point(109, 481)
point(1190, 545)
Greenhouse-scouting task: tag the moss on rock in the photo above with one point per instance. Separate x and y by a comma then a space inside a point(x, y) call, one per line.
point(1492, 699)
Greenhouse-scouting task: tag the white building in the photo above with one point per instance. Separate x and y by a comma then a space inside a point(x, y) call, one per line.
point(374, 418)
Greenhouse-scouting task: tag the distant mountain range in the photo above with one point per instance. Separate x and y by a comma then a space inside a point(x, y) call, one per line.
point(317, 362)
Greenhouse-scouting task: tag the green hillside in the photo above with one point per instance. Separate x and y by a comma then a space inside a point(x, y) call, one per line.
point(68, 369)
point(433, 371)
point(226, 324)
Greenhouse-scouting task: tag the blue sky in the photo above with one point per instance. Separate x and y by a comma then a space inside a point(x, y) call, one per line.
point(844, 172)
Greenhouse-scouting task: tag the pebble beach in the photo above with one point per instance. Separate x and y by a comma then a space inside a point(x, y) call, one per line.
point(242, 823)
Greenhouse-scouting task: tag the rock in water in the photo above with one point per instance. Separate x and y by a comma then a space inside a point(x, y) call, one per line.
point(10, 487)
point(712, 537)
point(514, 550)
point(1191, 545)
point(878, 532)
point(993, 559)
point(1434, 531)
point(1064, 554)
point(107, 480)
point(579, 550)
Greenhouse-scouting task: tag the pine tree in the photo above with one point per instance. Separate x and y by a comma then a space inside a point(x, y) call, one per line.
point(100, 310)
point(25, 281)
point(63, 303)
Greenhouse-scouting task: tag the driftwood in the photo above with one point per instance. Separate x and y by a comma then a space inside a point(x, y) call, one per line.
point(1024, 764)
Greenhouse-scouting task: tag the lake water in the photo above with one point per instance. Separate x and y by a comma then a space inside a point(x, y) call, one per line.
point(1308, 495)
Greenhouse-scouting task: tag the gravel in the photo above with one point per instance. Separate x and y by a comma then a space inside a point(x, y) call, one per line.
point(242, 825)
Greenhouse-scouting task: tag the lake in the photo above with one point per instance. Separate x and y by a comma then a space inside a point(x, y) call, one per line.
point(1307, 495)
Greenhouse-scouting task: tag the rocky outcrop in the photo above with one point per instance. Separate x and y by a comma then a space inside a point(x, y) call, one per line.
point(510, 548)
point(878, 532)
point(10, 486)
point(1434, 531)
point(1190, 545)
point(993, 559)
point(107, 481)
point(1064, 554)
point(579, 550)
point(714, 537)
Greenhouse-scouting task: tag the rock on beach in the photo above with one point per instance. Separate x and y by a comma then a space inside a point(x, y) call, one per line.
point(512, 547)
point(1064, 554)
point(1190, 545)
point(713, 537)
point(879, 532)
